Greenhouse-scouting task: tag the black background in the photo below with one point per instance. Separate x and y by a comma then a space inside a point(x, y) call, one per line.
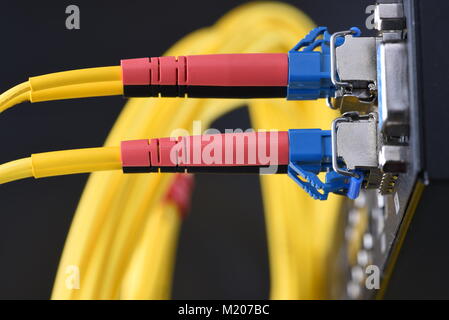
point(222, 250)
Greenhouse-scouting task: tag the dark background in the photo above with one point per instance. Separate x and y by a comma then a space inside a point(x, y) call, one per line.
point(222, 251)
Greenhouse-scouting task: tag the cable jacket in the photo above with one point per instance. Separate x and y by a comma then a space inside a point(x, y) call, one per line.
point(81, 83)
point(75, 161)
point(16, 170)
point(15, 95)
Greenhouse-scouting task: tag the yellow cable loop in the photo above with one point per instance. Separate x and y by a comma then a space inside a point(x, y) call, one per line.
point(162, 229)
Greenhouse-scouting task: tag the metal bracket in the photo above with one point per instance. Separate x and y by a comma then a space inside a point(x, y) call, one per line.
point(352, 69)
point(348, 117)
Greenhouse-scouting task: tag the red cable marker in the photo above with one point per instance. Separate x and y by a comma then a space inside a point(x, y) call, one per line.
point(180, 191)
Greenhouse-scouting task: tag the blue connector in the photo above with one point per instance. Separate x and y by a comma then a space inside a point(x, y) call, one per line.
point(309, 74)
point(311, 153)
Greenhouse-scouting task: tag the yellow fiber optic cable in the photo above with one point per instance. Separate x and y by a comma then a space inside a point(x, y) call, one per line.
point(90, 82)
point(73, 77)
point(57, 163)
point(16, 170)
point(15, 95)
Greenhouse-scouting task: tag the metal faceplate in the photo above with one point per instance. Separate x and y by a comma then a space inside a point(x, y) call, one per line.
point(375, 223)
point(393, 76)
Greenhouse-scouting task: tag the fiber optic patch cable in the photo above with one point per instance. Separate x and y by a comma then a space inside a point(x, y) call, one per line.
point(301, 153)
point(123, 236)
point(304, 73)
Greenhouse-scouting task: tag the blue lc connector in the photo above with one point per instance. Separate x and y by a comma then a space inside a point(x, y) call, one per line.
point(310, 152)
point(309, 71)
